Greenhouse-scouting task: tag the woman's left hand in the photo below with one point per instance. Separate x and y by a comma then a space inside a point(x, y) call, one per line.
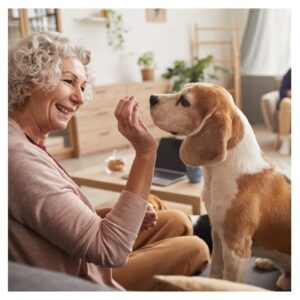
point(150, 218)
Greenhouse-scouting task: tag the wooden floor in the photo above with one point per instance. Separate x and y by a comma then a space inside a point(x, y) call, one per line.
point(102, 198)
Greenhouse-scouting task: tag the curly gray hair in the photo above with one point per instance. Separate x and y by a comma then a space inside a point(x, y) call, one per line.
point(35, 61)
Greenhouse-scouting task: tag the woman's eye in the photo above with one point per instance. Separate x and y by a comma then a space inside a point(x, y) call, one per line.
point(82, 88)
point(184, 101)
point(68, 81)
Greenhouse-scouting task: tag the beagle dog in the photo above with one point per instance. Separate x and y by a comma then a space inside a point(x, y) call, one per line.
point(248, 200)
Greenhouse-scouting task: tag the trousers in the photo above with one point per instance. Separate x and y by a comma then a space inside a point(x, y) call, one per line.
point(285, 116)
point(169, 248)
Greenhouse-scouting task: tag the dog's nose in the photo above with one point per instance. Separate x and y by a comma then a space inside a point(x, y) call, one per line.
point(153, 100)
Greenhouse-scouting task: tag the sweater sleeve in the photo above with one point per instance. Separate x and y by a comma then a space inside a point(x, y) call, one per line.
point(43, 200)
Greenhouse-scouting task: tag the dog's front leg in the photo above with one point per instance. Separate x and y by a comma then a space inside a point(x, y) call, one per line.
point(236, 260)
point(216, 270)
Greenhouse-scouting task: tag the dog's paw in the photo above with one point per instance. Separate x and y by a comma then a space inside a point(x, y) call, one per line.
point(264, 264)
point(284, 282)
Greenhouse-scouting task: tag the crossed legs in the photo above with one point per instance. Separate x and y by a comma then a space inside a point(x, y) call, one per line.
point(167, 249)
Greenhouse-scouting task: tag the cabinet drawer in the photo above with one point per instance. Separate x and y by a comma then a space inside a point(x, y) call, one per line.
point(96, 125)
point(98, 118)
point(106, 96)
point(97, 140)
point(149, 87)
point(145, 114)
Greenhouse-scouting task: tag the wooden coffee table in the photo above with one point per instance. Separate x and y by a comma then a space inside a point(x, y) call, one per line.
point(181, 192)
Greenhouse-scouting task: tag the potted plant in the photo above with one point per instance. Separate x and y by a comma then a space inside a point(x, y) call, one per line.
point(180, 73)
point(147, 64)
point(114, 28)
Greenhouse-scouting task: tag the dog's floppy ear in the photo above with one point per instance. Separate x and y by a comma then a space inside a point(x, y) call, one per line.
point(208, 146)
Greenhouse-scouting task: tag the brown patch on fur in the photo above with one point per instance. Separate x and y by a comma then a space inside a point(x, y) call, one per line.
point(209, 144)
point(261, 211)
point(237, 131)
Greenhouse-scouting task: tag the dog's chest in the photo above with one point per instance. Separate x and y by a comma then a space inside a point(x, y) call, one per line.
point(219, 191)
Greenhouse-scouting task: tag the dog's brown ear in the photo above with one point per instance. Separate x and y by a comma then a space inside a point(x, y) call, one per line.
point(208, 146)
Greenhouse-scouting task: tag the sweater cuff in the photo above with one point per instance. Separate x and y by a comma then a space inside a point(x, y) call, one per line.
point(129, 211)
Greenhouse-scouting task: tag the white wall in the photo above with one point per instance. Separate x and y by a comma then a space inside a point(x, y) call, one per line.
point(169, 41)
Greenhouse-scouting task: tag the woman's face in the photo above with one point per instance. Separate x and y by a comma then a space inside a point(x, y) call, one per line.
point(52, 111)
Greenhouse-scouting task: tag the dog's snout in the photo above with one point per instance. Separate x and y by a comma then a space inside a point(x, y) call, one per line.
point(153, 100)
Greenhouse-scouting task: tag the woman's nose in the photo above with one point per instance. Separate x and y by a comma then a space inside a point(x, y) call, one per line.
point(78, 96)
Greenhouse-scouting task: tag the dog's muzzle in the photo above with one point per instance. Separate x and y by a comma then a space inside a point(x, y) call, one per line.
point(153, 100)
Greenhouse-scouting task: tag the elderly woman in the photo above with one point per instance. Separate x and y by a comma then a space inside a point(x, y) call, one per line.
point(52, 224)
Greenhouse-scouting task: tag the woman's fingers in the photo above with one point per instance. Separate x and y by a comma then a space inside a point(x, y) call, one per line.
point(126, 113)
point(131, 126)
point(150, 218)
point(147, 227)
point(135, 115)
point(119, 108)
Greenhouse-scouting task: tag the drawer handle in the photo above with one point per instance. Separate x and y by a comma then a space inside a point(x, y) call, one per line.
point(104, 133)
point(101, 92)
point(149, 87)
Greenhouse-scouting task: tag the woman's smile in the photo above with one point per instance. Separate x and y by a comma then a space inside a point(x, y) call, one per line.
point(65, 111)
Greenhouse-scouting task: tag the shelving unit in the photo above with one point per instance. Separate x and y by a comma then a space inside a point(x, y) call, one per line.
point(228, 39)
point(23, 22)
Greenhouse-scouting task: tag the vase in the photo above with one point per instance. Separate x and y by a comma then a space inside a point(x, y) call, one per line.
point(147, 74)
point(194, 174)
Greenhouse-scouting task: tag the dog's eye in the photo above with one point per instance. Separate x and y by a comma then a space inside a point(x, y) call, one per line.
point(184, 101)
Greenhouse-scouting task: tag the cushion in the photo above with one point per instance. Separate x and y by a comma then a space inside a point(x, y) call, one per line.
point(197, 283)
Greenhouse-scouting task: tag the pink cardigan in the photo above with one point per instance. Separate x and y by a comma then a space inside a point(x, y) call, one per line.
point(53, 225)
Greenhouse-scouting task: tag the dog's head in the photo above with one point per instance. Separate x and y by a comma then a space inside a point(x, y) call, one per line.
point(206, 115)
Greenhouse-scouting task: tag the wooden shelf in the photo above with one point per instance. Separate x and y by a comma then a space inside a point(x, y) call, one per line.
point(91, 20)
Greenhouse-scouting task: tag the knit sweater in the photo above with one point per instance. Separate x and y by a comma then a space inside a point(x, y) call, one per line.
point(53, 225)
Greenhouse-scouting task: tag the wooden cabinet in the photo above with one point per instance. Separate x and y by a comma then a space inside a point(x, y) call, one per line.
point(95, 124)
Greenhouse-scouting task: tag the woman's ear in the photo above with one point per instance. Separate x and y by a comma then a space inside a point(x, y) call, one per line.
point(208, 146)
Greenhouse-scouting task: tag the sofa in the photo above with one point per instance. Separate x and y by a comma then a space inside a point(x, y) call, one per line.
point(26, 278)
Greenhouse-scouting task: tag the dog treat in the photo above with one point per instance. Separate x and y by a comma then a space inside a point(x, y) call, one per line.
point(116, 165)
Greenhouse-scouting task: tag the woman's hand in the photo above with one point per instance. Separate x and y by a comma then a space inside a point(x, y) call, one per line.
point(102, 212)
point(149, 221)
point(132, 127)
point(150, 218)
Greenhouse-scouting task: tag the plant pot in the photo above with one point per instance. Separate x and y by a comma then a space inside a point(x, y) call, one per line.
point(147, 74)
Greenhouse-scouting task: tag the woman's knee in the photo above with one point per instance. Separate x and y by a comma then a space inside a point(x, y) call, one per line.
point(195, 253)
point(197, 245)
point(285, 104)
point(177, 221)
